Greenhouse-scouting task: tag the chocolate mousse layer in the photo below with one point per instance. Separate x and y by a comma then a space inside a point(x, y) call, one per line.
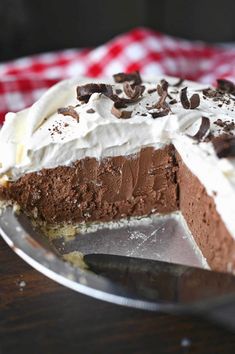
point(89, 190)
point(206, 225)
point(118, 187)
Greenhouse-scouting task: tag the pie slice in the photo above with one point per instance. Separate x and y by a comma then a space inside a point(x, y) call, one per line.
point(105, 150)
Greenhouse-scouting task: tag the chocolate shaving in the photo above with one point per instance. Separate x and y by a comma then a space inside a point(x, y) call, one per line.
point(121, 102)
point(163, 87)
point(226, 86)
point(223, 86)
point(91, 110)
point(227, 126)
point(152, 90)
point(84, 92)
point(120, 114)
point(219, 122)
point(174, 101)
point(179, 83)
point(162, 92)
point(69, 111)
point(210, 93)
point(191, 103)
point(133, 92)
point(203, 129)
point(160, 113)
point(134, 77)
point(224, 145)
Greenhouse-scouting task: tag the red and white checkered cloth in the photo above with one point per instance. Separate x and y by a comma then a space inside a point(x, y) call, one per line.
point(23, 81)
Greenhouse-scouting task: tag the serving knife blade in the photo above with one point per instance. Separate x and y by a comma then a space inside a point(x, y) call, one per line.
point(199, 291)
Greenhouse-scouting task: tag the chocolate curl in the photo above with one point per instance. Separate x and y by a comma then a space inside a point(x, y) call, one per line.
point(179, 83)
point(133, 92)
point(161, 105)
point(203, 129)
point(162, 91)
point(191, 103)
point(69, 111)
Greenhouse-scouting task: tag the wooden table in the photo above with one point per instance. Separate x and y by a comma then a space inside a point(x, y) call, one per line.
point(38, 315)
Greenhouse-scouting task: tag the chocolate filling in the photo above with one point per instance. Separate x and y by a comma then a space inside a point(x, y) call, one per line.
point(224, 145)
point(90, 190)
point(119, 187)
point(209, 231)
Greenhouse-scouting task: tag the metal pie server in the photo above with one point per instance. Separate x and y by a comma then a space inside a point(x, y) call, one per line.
point(178, 288)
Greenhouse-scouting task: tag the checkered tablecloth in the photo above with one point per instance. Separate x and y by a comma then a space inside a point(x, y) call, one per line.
point(23, 81)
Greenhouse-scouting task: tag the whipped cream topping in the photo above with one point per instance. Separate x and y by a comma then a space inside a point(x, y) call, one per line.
point(39, 137)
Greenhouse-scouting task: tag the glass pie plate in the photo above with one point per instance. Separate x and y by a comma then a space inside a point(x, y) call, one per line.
point(141, 240)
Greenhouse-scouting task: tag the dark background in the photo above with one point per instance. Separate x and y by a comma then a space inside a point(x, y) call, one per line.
point(33, 26)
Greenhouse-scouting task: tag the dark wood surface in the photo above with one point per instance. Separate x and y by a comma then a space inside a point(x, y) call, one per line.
point(45, 317)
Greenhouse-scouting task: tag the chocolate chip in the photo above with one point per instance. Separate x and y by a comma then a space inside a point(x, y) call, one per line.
point(224, 145)
point(191, 103)
point(118, 91)
point(69, 111)
point(173, 101)
point(134, 77)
